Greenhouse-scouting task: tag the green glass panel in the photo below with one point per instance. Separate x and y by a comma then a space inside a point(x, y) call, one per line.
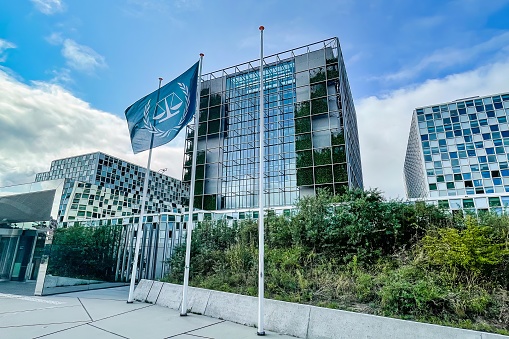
point(304, 159)
point(316, 74)
point(303, 141)
point(198, 202)
point(304, 176)
point(209, 202)
point(215, 112)
point(215, 100)
point(302, 109)
point(200, 171)
point(338, 154)
point(323, 175)
point(204, 101)
point(338, 138)
point(214, 126)
point(494, 201)
point(332, 71)
point(468, 203)
point(198, 188)
point(340, 173)
point(318, 106)
point(443, 204)
point(322, 157)
point(318, 90)
point(302, 125)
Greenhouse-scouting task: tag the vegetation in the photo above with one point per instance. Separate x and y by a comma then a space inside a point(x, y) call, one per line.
point(360, 252)
point(85, 252)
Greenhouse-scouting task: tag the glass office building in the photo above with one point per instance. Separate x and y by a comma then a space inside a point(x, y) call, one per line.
point(458, 153)
point(311, 139)
point(98, 185)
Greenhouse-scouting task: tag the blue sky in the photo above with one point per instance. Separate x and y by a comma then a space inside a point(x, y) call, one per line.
point(101, 56)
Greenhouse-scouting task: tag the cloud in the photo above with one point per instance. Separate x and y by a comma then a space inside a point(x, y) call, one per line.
point(41, 122)
point(82, 58)
point(447, 57)
point(384, 122)
point(55, 38)
point(49, 7)
point(4, 46)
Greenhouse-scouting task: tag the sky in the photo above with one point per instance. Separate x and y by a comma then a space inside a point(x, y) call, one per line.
point(69, 69)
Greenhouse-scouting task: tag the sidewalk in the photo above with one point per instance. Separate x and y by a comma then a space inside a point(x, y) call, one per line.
point(105, 314)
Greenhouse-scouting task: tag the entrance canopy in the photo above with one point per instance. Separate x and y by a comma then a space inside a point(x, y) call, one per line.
point(30, 202)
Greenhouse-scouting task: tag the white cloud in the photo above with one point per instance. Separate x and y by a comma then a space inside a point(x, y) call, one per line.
point(82, 58)
point(49, 7)
point(5, 45)
point(384, 122)
point(444, 58)
point(42, 122)
point(55, 38)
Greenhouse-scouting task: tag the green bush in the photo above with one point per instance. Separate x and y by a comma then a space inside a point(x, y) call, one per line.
point(359, 252)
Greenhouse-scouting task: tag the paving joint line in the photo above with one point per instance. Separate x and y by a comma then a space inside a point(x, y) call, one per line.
point(62, 330)
point(38, 309)
point(196, 329)
point(115, 315)
point(102, 329)
point(198, 336)
point(85, 310)
point(61, 323)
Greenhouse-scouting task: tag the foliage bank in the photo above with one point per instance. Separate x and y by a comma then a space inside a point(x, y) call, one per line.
point(363, 253)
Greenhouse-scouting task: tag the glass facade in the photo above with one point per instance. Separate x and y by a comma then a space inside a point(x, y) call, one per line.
point(460, 148)
point(311, 139)
point(98, 185)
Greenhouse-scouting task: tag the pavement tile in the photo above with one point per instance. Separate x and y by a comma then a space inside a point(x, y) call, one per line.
point(227, 329)
point(43, 316)
point(34, 331)
point(153, 322)
point(83, 332)
point(100, 308)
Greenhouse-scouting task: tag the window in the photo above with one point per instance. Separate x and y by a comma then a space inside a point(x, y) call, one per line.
point(468, 203)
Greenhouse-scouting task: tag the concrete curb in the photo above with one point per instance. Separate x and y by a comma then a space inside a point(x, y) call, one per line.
point(302, 321)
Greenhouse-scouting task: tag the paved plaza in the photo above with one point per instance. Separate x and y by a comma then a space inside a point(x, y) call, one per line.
point(105, 314)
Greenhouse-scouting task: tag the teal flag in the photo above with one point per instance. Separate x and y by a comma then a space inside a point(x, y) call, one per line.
point(157, 118)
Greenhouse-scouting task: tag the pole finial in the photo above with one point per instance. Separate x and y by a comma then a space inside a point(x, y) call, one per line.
point(160, 79)
point(202, 55)
point(262, 28)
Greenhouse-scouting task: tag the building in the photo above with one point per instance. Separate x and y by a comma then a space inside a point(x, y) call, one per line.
point(458, 154)
point(98, 185)
point(93, 190)
point(25, 219)
point(310, 130)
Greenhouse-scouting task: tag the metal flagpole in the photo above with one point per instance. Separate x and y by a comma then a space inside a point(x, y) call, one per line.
point(261, 240)
point(183, 310)
point(139, 232)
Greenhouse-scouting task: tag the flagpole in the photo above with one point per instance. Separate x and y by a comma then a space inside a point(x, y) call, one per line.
point(183, 310)
point(261, 240)
point(139, 232)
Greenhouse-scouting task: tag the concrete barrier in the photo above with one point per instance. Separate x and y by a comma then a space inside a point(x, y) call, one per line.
point(142, 290)
point(154, 292)
point(303, 321)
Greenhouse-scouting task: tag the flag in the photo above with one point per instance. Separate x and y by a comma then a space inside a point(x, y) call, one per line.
point(157, 118)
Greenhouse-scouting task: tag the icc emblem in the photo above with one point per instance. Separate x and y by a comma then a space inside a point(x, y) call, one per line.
point(166, 108)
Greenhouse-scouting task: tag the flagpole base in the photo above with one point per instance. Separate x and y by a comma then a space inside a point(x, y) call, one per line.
point(261, 334)
point(183, 315)
point(130, 302)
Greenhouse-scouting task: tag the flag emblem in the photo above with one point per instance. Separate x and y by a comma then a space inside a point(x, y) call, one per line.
point(157, 118)
point(166, 108)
